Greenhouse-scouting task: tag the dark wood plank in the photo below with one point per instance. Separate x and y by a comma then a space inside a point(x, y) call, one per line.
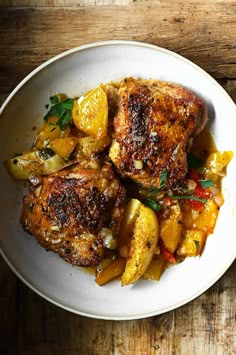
point(34, 326)
point(201, 31)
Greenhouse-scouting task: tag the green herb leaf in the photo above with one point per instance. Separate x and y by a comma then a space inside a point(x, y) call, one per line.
point(54, 99)
point(64, 120)
point(188, 197)
point(163, 178)
point(152, 204)
point(206, 183)
point(153, 190)
point(67, 104)
point(50, 113)
point(194, 162)
point(63, 111)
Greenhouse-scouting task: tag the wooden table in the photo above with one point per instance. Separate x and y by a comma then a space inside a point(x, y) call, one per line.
point(32, 32)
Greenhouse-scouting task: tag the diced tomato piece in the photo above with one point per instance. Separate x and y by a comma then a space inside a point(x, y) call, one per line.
point(199, 191)
point(196, 205)
point(166, 253)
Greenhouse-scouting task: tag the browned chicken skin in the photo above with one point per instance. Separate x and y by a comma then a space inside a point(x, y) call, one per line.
point(74, 213)
point(154, 125)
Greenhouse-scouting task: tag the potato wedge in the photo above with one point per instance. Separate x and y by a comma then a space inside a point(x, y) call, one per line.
point(116, 268)
point(90, 113)
point(142, 245)
point(64, 146)
point(155, 269)
point(128, 222)
point(170, 228)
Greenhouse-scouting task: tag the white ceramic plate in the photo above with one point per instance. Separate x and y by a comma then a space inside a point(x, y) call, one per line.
point(74, 72)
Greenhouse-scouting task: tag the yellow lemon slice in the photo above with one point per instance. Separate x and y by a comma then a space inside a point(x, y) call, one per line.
point(90, 113)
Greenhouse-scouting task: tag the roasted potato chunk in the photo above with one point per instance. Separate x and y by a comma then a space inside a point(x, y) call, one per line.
point(142, 245)
point(170, 228)
point(90, 113)
point(64, 146)
point(155, 269)
point(128, 222)
point(116, 268)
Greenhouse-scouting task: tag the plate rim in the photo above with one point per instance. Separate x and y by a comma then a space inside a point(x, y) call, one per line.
point(59, 56)
point(108, 43)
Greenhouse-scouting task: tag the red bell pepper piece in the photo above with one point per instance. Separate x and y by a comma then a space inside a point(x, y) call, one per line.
point(199, 191)
point(168, 255)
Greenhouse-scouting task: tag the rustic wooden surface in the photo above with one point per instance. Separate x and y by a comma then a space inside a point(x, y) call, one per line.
point(34, 31)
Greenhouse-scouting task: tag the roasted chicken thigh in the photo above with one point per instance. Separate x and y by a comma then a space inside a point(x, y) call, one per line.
point(75, 213)
point(153, 130)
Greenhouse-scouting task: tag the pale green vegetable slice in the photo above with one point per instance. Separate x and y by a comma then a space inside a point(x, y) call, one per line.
point(40, 162)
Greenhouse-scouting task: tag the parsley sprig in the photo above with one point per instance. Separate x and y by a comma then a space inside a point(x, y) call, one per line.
point(188, 197)
point(153, 190)
point(206, 183)
point(62, 110)
point(152, 204)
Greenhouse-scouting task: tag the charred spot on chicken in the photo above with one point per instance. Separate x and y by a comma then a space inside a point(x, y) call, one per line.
point(154, 126)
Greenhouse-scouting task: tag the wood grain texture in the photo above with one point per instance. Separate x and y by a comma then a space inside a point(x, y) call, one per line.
point(61, 3)
point(31, 325)
point(34, 31)
point(202, 31)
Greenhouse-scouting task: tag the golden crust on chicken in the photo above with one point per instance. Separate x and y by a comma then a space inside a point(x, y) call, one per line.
point(75, 213)
point(154, 125)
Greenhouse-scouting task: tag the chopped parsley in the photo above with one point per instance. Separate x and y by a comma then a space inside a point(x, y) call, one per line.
point(188, 197)
point(152, 204)
point(153, 190)
point(206, 183)
point(62, 110)
point(163, 178)
point(54, 100)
